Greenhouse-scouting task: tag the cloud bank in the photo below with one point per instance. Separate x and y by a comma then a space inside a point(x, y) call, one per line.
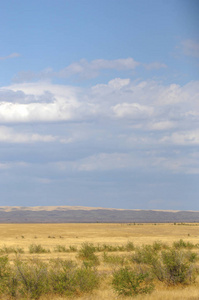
point(116, 118)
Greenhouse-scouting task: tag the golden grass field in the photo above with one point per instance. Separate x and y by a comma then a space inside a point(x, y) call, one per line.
point(50, 235)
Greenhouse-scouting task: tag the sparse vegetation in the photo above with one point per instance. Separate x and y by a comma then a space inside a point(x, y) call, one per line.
point(182, 244)
point(8, 250)
point(33, 248)
point(114, 259)
point(104, 267)
point(62, 248)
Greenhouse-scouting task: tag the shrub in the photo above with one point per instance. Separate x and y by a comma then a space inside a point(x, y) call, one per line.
point(32, 278)
point(59, 263)
point(87, 252)
point(4, 273)
point(182, 244)
point(129, 282)
point(72, 248)
point(67, 279)
point(175, 267)
point(191, 256)
point(8, 250)
point(129, 246)
point(158, 245)
point(106, 247)
point(113, 259)
point(33, 248)
point(60, 248)
point(145, 255)
point(12, 285)
point(86, 279)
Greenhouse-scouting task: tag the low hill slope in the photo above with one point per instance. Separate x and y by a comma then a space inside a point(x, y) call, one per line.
point(79, 214)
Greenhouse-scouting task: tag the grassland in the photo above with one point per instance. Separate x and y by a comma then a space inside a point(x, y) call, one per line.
point(64, 241)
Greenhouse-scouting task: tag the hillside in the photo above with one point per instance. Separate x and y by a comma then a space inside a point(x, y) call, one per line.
point(79, 214)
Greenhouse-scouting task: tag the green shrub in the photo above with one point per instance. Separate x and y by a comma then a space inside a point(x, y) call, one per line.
point(32, 278)
point(182, 244)
point(191, 256)
point(67, 279)
point(4, 273)
point(145, 255)
point(58, 263)
point(158, 245)
point(33, 248)
point(129, 246)
point(129, 282)
point(72, 249)
point(12, 285)
point(110, 248)
point(60, 248)
point(87, 252)
point(113, 259)
point(175, 267)
point(8, 250)
point(86, 279)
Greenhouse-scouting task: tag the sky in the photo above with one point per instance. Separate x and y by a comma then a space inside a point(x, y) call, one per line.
point(99, 103)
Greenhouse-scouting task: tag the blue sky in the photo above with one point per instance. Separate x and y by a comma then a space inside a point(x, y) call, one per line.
point(99, 103)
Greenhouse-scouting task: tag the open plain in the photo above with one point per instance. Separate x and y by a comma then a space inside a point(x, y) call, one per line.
point(63, 241)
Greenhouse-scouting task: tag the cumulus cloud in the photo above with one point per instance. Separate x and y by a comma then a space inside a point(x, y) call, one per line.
point(132, 110)
point(46, 103)
point(161, 105)
point(121, 116)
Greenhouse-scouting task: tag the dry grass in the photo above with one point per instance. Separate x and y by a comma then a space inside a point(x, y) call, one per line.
point(50, 235)
point(96, 233)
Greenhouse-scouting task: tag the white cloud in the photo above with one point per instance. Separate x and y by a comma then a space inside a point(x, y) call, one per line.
point(35, 112)
point(132, 110)
point(122, 116)
point(121, 98)
point(62, 107)
point(162, 125)
point(101, 162)
point(11, 165)
point(147, 160)
point(13, 55)
point(191, 48)
point(9, 135)
point(184, 138)
point(104, 161)
point(118, 83)
point(82, 68)
point(91, 69)
point(155, 66)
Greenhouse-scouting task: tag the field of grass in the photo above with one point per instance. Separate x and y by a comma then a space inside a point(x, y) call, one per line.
point(110, 248)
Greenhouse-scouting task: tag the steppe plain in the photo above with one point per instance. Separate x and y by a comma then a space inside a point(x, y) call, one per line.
point(50, 236)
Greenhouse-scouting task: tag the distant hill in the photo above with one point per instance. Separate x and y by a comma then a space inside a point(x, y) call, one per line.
point(79, 214)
